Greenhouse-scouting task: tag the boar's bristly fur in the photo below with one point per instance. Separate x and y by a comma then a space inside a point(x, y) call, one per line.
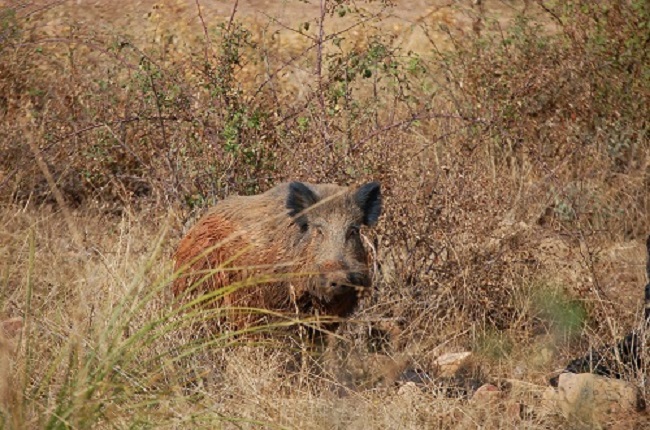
point(299, 244)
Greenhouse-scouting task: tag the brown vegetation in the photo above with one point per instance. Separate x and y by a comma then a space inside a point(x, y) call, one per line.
point(9, 330)
point(510, 138)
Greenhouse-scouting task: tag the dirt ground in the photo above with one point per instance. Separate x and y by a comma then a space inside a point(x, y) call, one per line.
point(407, 20)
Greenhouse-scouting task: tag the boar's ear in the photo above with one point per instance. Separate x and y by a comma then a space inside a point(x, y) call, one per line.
point(300, 198)
point(368, 198)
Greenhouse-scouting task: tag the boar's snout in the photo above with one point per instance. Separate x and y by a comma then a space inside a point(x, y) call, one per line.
point(335, 280)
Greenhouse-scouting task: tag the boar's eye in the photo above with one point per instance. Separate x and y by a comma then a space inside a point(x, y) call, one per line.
point(353, 232)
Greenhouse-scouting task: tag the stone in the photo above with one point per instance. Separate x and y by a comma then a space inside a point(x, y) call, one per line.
point(409, 389)
point(448, 365)
point(593, 401)
point(486, 394)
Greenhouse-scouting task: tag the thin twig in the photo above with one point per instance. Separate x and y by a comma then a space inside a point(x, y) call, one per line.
point(81, 42)
point(319, 72)
point(163, 130)
point(286, 27)
point(412, 119)
point(206, 36)
point(232, 15)
point(551, 12)
point(42, 165)
point(284, 65)
point(9, 176)
point(117, 121)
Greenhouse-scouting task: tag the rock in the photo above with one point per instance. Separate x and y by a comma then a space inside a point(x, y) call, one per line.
point(413, 375)
point(448, 365)
point(593, 401)
point(409, 389)
point(495, 408)
point(410, 395)
point(522, 398)
point(486, 394)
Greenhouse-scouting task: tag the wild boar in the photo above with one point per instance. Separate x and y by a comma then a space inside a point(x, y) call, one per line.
point(296, 248)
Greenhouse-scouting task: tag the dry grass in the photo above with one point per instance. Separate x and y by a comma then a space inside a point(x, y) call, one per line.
point(515, 164)
point(89, 356)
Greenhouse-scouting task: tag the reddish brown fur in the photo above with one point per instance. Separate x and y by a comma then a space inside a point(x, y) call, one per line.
point(247, 238)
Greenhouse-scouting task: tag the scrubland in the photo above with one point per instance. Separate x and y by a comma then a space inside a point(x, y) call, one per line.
point(511, 139)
